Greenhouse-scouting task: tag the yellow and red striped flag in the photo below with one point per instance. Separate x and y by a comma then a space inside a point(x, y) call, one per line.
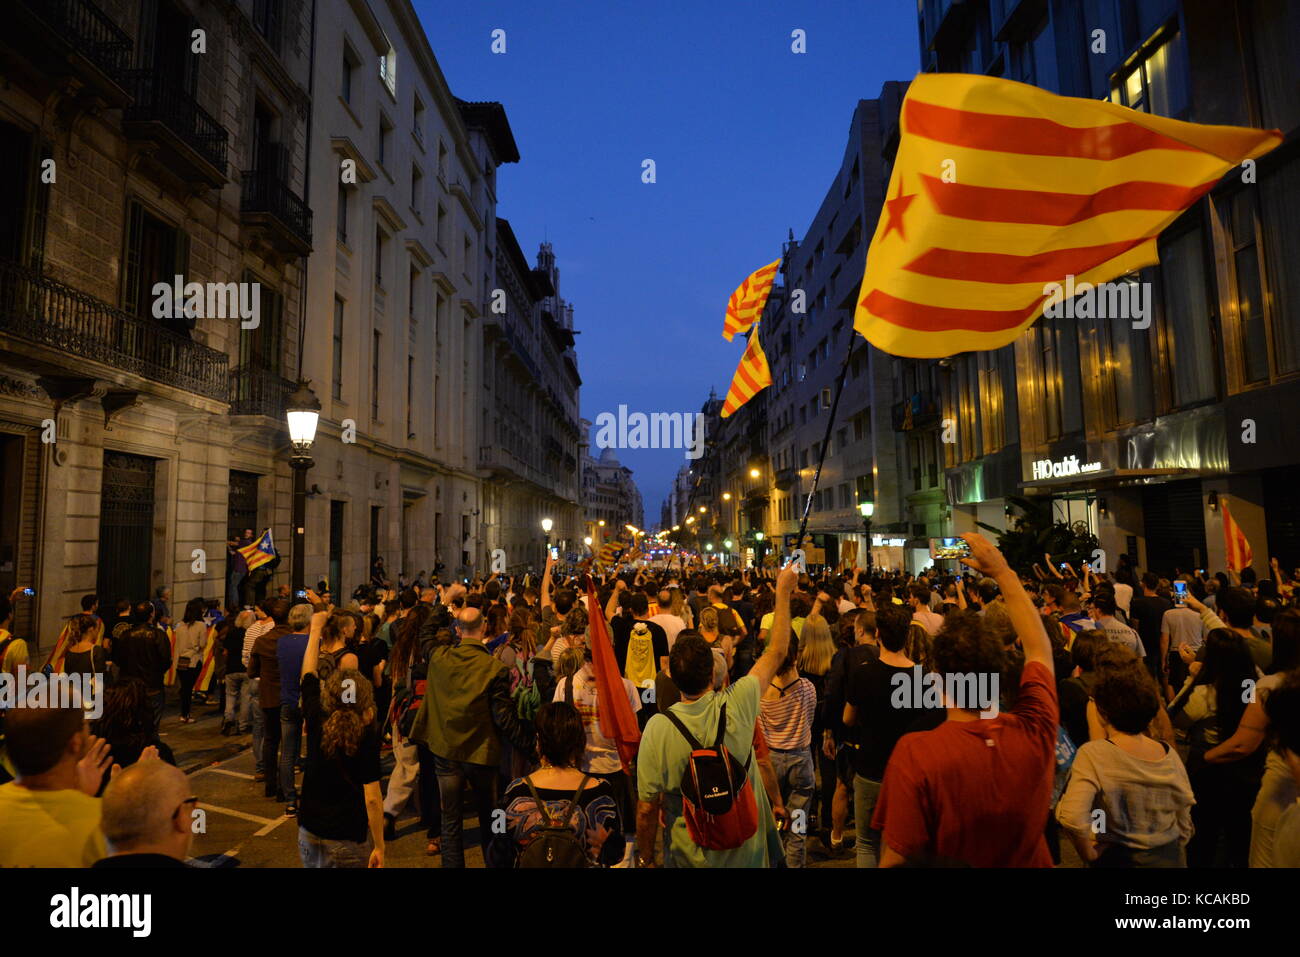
point(752, 376)
point(209, 663)
point(1235, 546)
point(1000, 190)
point(170, 678)
point(745, 307)
point(63, 642)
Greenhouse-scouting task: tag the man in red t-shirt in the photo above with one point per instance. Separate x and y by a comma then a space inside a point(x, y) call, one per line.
point(976, 790)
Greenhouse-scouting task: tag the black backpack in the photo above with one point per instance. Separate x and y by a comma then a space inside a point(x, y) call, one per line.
point(557, 844)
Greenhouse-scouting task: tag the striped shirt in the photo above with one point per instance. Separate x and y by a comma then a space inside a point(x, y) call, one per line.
point(252, 633)
point(787, 720)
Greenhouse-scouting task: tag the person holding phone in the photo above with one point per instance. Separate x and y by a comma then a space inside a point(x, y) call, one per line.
point(1182, 633)
point(1147, 613)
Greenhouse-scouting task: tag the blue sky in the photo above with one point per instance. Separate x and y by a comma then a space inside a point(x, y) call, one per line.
point(745, 134)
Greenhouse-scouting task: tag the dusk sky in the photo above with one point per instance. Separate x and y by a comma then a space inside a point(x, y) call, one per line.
point(746, 137)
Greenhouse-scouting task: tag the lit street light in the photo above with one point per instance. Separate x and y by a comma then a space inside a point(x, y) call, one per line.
point(867, 509)
point(302, 409)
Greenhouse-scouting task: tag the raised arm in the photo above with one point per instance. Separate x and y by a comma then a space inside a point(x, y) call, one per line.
point(769, 663)
point(312, 655)
point(1028, 624)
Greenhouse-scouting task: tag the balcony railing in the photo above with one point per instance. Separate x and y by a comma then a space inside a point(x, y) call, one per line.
point(265, 192)
point(255, 391)
point(47, 312)
point(88, 30)
point(159, 99)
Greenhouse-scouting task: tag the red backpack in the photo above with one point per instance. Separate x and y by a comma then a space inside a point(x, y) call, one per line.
point(717, 797)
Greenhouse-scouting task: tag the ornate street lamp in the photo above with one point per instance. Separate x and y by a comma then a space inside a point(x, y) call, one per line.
point(867, 509)
point(302, 410)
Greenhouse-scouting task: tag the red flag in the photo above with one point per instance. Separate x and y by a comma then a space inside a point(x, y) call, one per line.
point(1235, 546)
point(617, 720)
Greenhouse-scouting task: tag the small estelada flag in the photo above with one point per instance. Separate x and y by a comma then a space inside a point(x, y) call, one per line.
point(752, 376)
point(1000, 191)
point(259, 552)
point(1236, 548)
point(745, 306)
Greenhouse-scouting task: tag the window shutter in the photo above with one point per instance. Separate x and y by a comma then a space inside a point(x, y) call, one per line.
point(131, 269)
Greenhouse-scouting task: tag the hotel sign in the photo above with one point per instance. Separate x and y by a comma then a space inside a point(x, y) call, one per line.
point(1063, 468)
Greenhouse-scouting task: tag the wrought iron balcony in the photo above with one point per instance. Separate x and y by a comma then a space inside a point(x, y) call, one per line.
point(46, 312)
point(81, 35)
point(193, 142)
point(268, 203)
point(255, 391)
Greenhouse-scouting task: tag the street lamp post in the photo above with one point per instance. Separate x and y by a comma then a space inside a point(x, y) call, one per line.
point(867, 509)
point(302, 409)
point(546, 530)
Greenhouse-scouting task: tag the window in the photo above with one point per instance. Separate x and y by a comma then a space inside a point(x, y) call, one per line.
point(343, 214)
point(1156, 83)
point(469, 255)
point(267, 17)
point(1189, 347)
point(385, 131)
point(417, 122)
point(350, 63)
point(1281, 252)
point(441, 233)
point(1252, 335)
point(1036, 59)
point(156, 252)
point(417, 188)
point(388, 70)
point(262, 347)
point(380, 246)
point(442, 160)
point(336, 377)
point(374, 379)
point(410, 395)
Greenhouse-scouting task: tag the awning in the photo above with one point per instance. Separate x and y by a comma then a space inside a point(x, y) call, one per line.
point(1108, 478)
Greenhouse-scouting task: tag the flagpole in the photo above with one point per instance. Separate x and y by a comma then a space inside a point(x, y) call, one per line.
point(826, 439)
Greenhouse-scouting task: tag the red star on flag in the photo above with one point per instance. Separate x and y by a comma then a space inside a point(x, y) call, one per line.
point(895, 208)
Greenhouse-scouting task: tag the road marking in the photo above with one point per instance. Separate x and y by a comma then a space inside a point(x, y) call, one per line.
point(271, 826)
point(233, 774)
point(243, 815)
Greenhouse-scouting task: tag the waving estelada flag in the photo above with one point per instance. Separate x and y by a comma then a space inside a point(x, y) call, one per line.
point(170, 678)
point(63, 642)
point(1000, 190)
point(613, 710)
point(752, 376)
point(1236, 549)
point(257, 553)
point(209, 664)
point(745, 307)
point(610, 551)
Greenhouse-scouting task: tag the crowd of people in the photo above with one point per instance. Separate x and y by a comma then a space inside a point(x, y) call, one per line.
point(991, 717)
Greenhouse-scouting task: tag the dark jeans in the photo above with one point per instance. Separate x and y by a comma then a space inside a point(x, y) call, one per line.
point(290, 742)
point(430, 798)
point(187, 677)
point(158, 701)
point(452, 776)
point(271, 749)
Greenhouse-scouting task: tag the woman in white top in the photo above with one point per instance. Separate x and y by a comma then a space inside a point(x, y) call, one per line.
point(187, 653)
point(1128, 802)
